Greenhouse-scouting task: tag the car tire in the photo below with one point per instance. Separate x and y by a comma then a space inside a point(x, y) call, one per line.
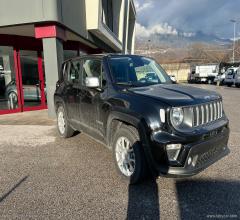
point(64, 128)
point(134, 155)
point(238, 85)
point(229, 84)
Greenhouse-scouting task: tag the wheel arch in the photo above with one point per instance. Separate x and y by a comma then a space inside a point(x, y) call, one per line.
point(116, 119)
point(59, 101)
point(114, 122)
point(12, 91)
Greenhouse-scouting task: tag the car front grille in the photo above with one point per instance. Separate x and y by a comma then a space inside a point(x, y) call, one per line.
point(206, 113)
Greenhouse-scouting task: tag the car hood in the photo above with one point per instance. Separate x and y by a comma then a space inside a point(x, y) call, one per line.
point(176, 95)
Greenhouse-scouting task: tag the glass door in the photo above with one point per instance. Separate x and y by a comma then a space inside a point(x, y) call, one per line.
point(9, 85)
point(32, 80)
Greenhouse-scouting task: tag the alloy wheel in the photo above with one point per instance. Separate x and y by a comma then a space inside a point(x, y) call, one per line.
point(12, 100)
point(61, 122)
point(125, 156)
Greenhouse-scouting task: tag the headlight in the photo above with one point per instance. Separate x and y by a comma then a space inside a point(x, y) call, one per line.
point(177, 116)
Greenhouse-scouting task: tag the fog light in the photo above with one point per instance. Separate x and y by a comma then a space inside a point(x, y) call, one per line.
point(173, 151)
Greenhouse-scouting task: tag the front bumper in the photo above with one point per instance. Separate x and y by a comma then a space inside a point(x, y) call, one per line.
point(203, 153)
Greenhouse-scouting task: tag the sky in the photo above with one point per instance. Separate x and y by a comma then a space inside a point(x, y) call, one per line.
point(188, 17)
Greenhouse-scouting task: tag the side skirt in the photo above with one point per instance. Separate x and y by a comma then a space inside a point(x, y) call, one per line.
point(89, 131)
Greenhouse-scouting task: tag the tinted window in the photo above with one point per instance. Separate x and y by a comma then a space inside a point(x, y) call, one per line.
point(74, 71)
point(92, 68)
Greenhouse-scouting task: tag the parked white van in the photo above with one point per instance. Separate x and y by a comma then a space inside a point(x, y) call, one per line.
point(220, 78)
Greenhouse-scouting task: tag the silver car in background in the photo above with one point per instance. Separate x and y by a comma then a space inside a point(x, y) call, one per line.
point(31, 93)
point(237, 78)
point(231, 73)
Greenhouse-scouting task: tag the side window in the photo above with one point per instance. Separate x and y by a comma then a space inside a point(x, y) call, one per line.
point(74, 74)
point(92, 68)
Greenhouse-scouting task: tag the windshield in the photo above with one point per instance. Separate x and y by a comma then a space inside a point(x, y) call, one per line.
point(137, 71)
point(231, 71)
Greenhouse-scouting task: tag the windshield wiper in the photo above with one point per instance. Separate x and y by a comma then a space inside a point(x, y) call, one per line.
point(126, 83)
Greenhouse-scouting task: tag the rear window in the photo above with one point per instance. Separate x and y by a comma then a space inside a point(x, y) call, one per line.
point(72, 71)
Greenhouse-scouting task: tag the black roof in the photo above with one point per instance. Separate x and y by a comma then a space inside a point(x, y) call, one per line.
point(102, 55)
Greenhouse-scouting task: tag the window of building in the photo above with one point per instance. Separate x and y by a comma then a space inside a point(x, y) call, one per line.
point(130, 30)
point(8, 87)
point(107, 13)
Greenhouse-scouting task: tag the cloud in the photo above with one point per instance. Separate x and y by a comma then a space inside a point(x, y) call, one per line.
point(189, 16)
point(144, 6)
point(142, 31)
point(188, 34)
point(162, 29)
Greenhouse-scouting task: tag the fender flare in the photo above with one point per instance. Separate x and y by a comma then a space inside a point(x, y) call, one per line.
point(144, 133)
point(59, 100)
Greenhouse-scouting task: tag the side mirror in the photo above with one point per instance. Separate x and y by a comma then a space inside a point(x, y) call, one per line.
point(92, 82)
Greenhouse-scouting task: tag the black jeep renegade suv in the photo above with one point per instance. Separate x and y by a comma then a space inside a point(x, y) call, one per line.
point(129, 103)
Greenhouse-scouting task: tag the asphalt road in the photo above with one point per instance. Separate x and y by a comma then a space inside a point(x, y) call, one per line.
point(45, 177)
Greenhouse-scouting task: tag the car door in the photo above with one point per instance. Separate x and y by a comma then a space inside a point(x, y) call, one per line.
point(71, 89)
point(237, 77)
point(91, 99)
point(32, 92)
point(234, 76)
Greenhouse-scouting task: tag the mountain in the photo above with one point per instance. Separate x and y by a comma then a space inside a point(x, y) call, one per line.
point(182, 39)
point(179, 47)
point(208, 38)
